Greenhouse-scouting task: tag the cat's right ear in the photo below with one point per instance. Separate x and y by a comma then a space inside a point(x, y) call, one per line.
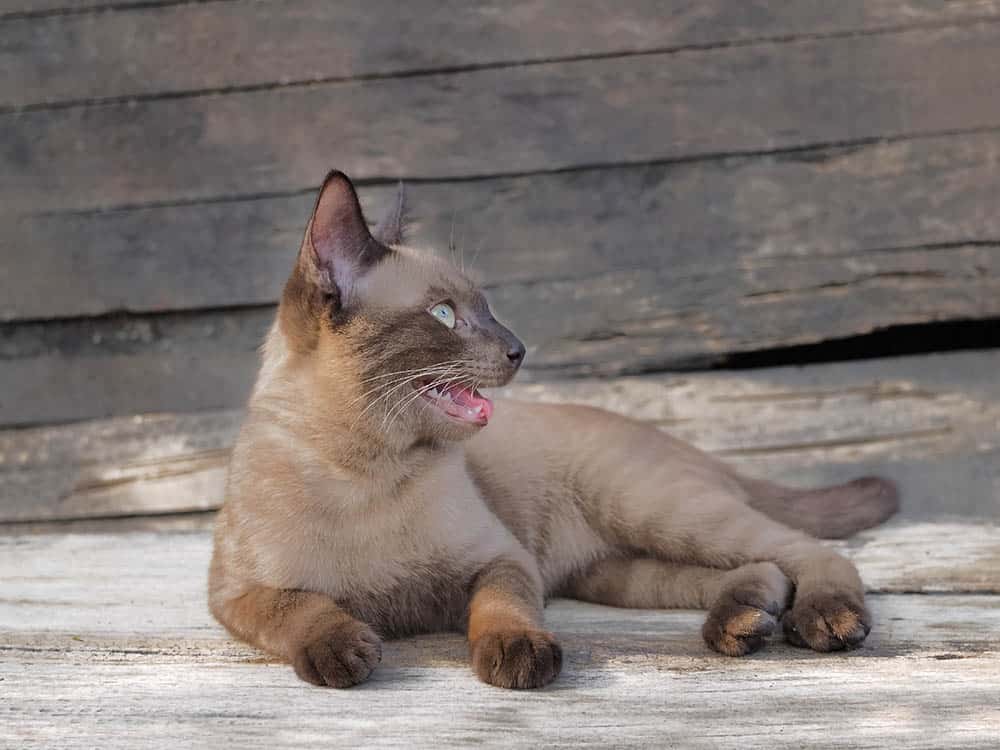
point(338, 248)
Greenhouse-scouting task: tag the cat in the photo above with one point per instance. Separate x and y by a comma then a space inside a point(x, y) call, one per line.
point(375, 492)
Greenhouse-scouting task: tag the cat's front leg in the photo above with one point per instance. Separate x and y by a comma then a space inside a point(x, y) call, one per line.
point(508, 646)
point(325, 645)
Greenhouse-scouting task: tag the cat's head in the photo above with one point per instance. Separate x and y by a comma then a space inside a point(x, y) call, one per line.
point(413, 335)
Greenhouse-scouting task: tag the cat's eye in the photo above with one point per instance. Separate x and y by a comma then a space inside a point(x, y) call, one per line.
point(444, 313)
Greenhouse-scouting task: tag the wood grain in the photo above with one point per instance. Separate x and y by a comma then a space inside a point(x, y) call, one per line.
point(115, 366)
point(202, 47)
point(753, 226)
point(932, 423)
point(604, 271)
point(822, 703)
point(513, 120)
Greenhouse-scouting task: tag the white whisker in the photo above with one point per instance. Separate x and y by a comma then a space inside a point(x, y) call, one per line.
point(418, 392)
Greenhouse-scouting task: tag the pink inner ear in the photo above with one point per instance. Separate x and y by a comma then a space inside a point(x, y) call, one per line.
point(338, 224)
point(339, 234)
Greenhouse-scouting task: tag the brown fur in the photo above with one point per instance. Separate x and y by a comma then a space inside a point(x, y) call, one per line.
point(357, 511)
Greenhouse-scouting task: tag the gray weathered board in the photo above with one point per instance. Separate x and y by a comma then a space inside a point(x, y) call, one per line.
point(106, 640)
point(624, 109)
point(732, 230)
point(223, 46)
point(932, 423)
point(601, 271)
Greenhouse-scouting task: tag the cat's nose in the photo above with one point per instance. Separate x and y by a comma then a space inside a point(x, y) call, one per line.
point(516, 353)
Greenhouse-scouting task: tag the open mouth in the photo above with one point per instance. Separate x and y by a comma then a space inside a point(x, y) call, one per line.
point(458, 402)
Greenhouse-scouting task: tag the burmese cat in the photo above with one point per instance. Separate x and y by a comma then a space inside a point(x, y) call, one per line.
point(373, 492)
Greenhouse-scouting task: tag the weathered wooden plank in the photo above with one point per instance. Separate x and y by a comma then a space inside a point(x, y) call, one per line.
point(636, 108)
point(79, 370)
point(918, 705)
point(819, 702)
point(198, 47)
point(743, 227)
point(932, 423)
point(721, 257)
point(123, 619)
point(110, 634)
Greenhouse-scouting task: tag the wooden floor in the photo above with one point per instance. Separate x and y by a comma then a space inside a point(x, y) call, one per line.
point(652, 191)
point(107, 639)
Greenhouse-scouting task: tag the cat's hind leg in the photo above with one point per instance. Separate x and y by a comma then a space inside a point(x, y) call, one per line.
point(744, 604)
point(648, 495)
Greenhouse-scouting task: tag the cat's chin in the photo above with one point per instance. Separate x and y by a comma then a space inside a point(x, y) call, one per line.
point(456, 402)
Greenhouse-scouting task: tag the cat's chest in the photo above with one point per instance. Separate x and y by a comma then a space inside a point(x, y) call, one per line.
point(418, 546)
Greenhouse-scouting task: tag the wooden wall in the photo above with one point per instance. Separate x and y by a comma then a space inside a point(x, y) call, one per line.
point(642, 185)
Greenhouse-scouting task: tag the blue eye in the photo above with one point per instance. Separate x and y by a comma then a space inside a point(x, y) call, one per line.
point(444, 313)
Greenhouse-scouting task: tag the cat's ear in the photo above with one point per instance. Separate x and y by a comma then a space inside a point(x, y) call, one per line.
point(338, 247)
point(392, 229)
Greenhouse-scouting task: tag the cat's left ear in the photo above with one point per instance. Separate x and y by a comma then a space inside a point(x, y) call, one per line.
point(339, 249)
point(392, 229)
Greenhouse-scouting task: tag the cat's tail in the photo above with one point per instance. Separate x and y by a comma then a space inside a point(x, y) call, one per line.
point(830, 512)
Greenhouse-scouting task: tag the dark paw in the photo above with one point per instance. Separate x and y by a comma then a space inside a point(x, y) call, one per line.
point(339, 655)
point(827, 621)
point(517, 659)
point(747, 610)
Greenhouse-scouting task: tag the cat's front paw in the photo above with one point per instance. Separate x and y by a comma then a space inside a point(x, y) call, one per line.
point(827, 620)
point(747, 609)
point(517, 659)
point(339, 655)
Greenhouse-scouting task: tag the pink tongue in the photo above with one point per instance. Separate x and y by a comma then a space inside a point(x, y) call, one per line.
point(468, 399)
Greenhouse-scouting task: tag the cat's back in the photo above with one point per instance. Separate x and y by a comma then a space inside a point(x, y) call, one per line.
point(534, 459)
point(531, 438)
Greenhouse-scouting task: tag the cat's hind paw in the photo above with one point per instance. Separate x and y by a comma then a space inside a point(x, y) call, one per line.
point(747, 610)
point(827, 621)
